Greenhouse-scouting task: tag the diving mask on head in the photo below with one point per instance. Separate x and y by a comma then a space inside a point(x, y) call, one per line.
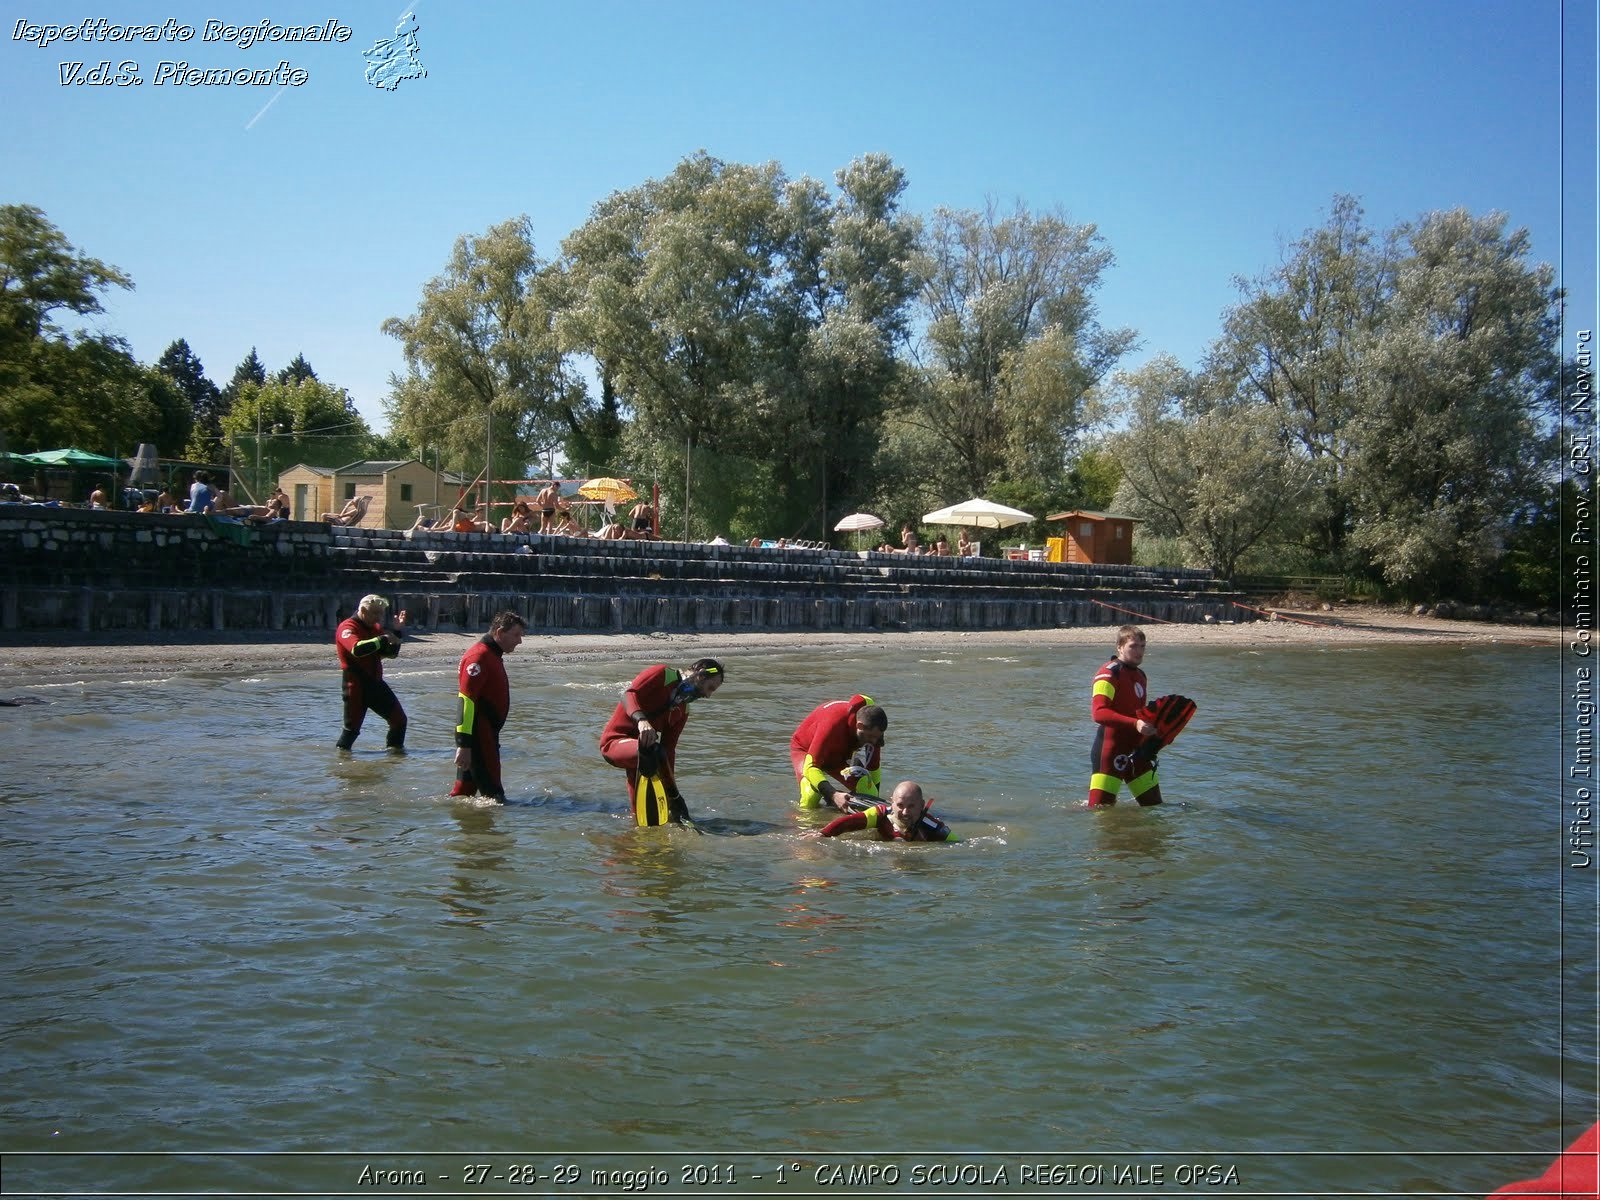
point(860, 764)
point(689, 689)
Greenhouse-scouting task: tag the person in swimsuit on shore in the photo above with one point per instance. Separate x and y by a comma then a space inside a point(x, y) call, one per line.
point(546, 502)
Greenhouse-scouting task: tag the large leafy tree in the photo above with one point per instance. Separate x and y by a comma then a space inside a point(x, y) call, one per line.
point(1453, 438)
point(1205, 468)
point(842, 309)
point(1013, 347)
point(283, 422)
point(42, 274)
point(749, 322)
point(62, 386)
point(91, 394)
point(1416, 373)
point(485, 374)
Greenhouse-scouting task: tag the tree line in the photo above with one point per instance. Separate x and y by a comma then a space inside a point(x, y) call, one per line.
point(776, 352)
point(83, 388)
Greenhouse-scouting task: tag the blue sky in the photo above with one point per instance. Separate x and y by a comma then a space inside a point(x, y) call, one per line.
point(1199, 137)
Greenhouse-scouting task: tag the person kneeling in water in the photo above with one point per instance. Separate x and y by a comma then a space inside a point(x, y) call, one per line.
point(904, 818)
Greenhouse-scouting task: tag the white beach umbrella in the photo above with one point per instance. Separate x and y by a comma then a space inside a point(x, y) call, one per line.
point(856, 522)
point(978, 514)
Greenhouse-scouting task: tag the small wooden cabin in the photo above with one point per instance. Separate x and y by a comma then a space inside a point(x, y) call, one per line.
point(1093, 537)
point(396, 490)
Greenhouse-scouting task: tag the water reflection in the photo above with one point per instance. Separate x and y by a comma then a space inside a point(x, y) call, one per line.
point(482, 848)
point(1129, 832)
point(645, 871)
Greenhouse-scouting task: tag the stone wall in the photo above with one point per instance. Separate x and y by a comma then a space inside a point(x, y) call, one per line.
point(91, 571)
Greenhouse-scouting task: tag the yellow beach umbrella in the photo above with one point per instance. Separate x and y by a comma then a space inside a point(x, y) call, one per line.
point(608, 490)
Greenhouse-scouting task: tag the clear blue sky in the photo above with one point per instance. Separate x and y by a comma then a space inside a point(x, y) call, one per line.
point(1199, 137)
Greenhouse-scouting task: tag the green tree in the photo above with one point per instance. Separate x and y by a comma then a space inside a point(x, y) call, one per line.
point(841, 312)
point(206, 442)
point(93, 395)
point(202, 398)
point(1205, 469)
point(1013, 343)
point(1451, 440)
point(1296, 343)
point(42, 274)
point(57, 386)
point(1415, 372)
point(297, 371)
point(486, 377)
point(283, 422)
point(744, 318)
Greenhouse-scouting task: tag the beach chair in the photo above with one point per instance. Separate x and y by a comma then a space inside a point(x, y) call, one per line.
point(353, 512)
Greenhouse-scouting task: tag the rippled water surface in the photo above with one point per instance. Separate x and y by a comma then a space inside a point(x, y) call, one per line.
point(1339, 934)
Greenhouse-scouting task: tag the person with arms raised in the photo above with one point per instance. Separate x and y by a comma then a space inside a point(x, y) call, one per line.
point(363, 643)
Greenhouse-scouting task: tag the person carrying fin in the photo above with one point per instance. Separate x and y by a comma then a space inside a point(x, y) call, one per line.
point(904, 818)
point(1128, 730)
point(837, 752)
point(642, 736)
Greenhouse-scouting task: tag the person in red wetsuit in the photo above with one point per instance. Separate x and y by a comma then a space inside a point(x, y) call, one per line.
point(363, 643)
point(1119, 696)
point(837, 752)
point(1576, 1172)
point(898, 820)
point(649, 720)
point(485, 696)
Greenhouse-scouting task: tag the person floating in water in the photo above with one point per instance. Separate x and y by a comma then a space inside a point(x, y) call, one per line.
point(642, 735)
point(904, 818)
point(837, 752)
point(363, 643)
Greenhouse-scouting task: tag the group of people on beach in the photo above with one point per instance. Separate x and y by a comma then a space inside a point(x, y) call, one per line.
point(836, 751)
point(967, 545)
point(546, 513)
point(205, 498)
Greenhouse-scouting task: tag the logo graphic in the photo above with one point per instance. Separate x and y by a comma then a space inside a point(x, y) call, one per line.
point(392, 60)
point(474, 669)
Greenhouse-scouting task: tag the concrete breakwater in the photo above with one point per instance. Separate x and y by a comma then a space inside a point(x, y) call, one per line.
point(96, 571)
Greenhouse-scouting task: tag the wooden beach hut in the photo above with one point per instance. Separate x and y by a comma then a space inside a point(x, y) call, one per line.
point(1092, 537)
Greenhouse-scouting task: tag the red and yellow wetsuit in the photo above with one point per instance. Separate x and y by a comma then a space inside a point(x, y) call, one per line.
point(362, 649)
point(876, 819)
point(485, 696)
point(1119, 698)
point(653, 695)
point(822, 746)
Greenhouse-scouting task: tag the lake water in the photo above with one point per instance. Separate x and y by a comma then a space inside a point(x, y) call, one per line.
point(1329, 964)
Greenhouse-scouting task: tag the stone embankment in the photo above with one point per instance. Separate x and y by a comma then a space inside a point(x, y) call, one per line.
point(99, 571)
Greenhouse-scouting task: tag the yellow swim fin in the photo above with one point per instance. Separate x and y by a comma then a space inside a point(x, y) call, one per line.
point(650, 801)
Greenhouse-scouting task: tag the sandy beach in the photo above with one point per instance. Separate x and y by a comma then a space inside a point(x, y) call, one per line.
point(63, 658)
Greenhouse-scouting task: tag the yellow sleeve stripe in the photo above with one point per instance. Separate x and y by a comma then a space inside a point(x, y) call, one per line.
point(469, 712)
point(1104, 687)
